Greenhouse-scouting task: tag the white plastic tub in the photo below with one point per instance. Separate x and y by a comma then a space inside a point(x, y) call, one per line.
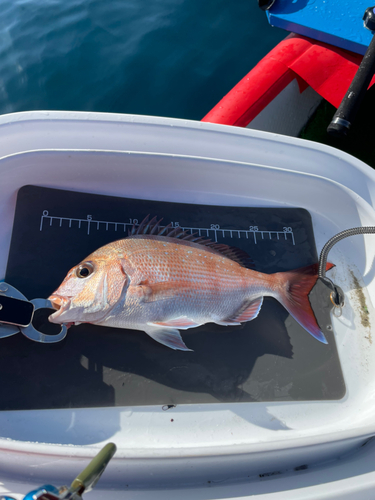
point(219, 450)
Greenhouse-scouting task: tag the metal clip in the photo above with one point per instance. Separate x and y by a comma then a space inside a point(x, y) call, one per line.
point(17, 313)
point(337, 301)
point(326, 297)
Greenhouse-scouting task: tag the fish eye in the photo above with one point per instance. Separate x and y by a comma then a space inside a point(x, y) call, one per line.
point(84, 270)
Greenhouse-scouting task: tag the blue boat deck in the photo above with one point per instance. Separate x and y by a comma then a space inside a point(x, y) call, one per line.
point(337, 22)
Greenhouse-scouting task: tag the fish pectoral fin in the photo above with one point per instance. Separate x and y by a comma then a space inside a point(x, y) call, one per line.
point(161, 291)
point(182, 323)
point(247, 312)
point(167, 336)
point(140, 292)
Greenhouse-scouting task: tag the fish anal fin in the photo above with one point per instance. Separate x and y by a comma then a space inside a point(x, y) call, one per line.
point(167, 336)
point(182, 323)
point(247, 312)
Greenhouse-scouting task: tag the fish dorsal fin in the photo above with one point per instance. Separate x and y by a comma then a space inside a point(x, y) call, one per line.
point(153, 228)
point(233, 253)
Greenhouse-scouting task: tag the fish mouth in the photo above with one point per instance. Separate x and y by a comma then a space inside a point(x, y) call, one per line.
point(60, 304)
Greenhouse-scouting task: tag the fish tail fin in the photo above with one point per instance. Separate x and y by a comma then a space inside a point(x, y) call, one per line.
point(294, 296)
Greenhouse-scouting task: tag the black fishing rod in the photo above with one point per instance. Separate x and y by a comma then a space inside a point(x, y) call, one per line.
point(265, 4)
point(346, 112)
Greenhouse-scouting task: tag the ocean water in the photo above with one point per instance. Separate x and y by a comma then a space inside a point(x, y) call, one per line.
point(172, 58)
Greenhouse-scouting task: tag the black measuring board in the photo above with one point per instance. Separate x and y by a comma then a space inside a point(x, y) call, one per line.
point(271, 358)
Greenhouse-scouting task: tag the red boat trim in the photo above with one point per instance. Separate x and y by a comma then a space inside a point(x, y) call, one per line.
point(327, 69)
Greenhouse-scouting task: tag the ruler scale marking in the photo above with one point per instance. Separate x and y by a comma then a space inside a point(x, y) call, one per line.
point(215, 228)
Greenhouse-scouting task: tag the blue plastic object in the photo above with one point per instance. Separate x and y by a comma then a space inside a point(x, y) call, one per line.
point(36, 493)
point(337, 22)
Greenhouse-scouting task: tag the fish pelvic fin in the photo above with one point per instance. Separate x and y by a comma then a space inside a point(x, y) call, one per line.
point(167, 336)
point(294, 296)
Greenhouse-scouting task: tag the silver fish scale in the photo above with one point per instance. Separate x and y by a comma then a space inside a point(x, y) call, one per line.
point(209, 286)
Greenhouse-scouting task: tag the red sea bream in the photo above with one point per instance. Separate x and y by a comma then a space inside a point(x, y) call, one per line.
point(161, 280)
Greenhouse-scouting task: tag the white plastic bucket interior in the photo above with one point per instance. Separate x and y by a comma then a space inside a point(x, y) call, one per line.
point(184, 170)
